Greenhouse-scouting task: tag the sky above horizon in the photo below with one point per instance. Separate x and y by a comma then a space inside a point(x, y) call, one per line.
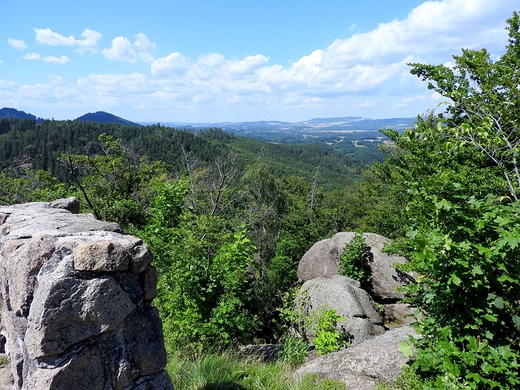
point(235, 60)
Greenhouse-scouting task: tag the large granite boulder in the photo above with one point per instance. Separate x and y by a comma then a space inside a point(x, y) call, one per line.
point(322, 260)
point(364, 366)
point(361, 319)
point(77, 298)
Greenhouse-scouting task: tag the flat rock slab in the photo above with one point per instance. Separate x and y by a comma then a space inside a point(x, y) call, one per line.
point(364, 366)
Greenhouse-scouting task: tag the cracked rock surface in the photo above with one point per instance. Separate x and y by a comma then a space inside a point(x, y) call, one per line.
point(75, 303)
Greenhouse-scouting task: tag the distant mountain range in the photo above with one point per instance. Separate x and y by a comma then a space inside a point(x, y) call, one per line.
point(98, 117)
point(316, 125)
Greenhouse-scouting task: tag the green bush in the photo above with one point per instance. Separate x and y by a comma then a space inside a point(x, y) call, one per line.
point(354, 261)
point(328, 338)
point(203, 271)
point(302, 321)
point(470, 289)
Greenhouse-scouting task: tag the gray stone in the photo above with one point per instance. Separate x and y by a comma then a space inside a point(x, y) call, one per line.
point(83, 370)
point(6, 378)
point(322, 260)
point(71, 204)
point(140, 257)
point(144, 341)
point(160, 381)
point(75, 299)
point(344, 295)
point(386, 279)
point(68, 311)
point(101, 256)
point(21, 270)
point(364, 366)
point(150, 283)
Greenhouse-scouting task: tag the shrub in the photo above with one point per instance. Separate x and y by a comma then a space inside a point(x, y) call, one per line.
point(302, 320)
point(354, 261)
point(328, 338)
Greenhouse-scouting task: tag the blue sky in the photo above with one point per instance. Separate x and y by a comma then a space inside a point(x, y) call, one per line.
point(235, 60)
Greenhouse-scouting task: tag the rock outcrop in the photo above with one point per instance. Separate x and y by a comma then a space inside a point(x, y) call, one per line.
point(322, 260)
point(364, 366)
point(361, 319)
point(374, 355)
point(77, 295)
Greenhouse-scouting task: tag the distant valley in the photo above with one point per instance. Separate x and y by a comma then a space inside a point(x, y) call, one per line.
point(357, 127)
point(350, 127)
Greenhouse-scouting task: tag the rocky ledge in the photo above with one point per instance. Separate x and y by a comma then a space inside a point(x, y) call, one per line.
point(75, 303)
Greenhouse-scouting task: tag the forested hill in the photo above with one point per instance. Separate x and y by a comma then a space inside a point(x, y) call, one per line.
point(14, 113)
point(25, 143)
point(105, 117)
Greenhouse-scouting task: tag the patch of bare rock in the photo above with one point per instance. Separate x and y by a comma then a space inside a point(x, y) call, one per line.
point(373, 315)
point(365, 365)
point(75, 303)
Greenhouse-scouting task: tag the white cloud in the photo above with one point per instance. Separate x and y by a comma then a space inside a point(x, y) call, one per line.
point(17, 43)
point(363, 64)
point(433, 29)
point(32, 56)
point(144, 47)
point(246, 66)
point(57, 60)
point(367, 71)
point(51, 59)
point(89, 42)
point(366, 103)
point(121, 50)
point(173, 65)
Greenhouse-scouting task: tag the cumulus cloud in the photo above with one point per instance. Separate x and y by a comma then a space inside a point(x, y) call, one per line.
point(123, 50)
point(144, 47)
point(366, 71)
point(17, 43)
point(361, 64)
point(213, 67)
point(173, 65)
point(89, 42)
point(113, 83)
point(54, 88)
point(434, 29)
